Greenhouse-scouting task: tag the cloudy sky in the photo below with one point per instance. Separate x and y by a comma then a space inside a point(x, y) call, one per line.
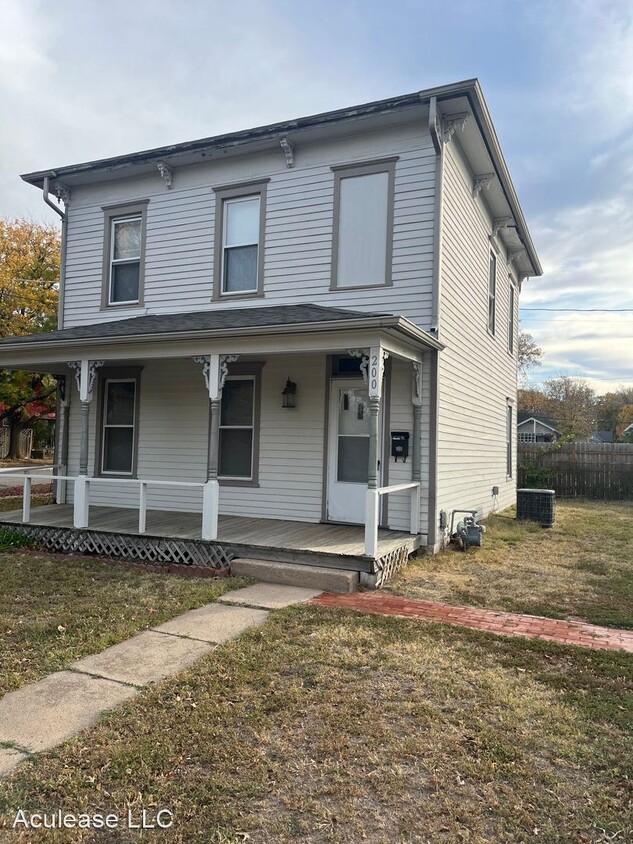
point(84, 79)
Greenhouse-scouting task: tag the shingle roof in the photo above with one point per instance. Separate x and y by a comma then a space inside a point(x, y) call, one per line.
point(232, 318)
point(524, 415)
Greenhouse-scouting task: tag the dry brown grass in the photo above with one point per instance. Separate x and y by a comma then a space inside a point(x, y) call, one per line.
point(328, 726)
point(55, 609)
point(580, 568)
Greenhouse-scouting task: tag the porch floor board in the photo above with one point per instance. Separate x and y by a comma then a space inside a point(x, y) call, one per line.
point(331, 540)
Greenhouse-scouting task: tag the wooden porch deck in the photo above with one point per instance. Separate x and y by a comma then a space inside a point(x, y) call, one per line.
point(340, 546)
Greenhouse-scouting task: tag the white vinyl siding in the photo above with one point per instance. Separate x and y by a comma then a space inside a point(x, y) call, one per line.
point(362, 230)
point(173, 442)
point(179, 259)
point(476, 374)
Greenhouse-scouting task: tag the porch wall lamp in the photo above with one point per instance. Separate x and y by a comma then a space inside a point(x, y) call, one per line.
point(289, 394)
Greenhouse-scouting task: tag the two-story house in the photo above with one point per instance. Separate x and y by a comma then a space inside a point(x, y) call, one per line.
point(272, 337)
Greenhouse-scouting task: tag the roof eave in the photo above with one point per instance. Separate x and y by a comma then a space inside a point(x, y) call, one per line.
point(486, 127)
point(246, 136)
point(397, 323)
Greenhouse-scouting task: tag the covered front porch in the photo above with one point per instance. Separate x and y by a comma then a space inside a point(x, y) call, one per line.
point(339, 546)
point(153, 443)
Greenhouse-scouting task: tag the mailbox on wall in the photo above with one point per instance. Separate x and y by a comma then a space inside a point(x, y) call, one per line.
point(400, 445)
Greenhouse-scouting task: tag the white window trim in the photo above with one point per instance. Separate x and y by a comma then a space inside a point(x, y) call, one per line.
point(114, 222)
point(105, 425)
point(223, 195)
point(350, 171)
point(234, 201)
point(250, 427)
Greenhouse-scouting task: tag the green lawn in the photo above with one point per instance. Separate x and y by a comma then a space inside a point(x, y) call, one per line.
point(55, 609)
point(330, 726)
point(581, 568)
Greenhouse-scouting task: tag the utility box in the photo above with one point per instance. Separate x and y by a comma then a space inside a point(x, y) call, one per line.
point(536, 505)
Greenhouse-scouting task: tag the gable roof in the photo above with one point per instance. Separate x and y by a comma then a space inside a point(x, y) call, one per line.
point(524, 416)
point(450, 100)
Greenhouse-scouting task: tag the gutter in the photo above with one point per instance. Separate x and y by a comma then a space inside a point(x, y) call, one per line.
point(62, 257)
point(435, 130)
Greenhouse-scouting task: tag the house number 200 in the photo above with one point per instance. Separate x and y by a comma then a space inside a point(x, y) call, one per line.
point(373, 374)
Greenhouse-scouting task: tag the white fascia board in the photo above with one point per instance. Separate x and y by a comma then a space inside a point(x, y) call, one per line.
point(52, 356)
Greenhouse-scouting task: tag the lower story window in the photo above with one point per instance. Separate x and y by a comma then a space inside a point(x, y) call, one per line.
point(237, 428)
point(119, 423)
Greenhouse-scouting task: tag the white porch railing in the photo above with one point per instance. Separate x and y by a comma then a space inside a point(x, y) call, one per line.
point(81, 506)
point(373, 506)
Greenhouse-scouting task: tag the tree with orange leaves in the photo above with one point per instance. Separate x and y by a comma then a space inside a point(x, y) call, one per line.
point(29, 284)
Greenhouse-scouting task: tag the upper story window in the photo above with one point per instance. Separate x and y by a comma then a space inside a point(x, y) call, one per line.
point(239, 240)
point(362, 242)
point(511, 326)
point(124, 255)
point(492, 293)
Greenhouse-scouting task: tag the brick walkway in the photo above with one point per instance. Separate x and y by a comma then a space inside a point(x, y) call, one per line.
point(505, 623)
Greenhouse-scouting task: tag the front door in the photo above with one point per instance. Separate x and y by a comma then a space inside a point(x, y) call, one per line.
point(348, 452)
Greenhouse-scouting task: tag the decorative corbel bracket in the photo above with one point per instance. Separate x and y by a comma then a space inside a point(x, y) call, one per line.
point(452, 123)
point(363, 354)
point(93, 365)
point(225, 360)
point(482, 182)
point(166, 173)
point(205, 362)
point(501, 223)
point(514, 254)
point(289, 152)
point(62, 192)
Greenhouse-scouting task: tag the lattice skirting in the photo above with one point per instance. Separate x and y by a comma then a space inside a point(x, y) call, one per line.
point(390, 564)
point(146, 549)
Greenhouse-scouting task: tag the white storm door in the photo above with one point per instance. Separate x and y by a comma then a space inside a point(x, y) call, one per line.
point(348, 451)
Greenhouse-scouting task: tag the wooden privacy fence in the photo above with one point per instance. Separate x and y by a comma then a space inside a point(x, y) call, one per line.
point(588, 470)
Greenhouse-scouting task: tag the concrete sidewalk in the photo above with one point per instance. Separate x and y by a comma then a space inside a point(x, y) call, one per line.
point(44, 714)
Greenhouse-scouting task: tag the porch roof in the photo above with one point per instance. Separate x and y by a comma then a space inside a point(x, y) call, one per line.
point(212, 325)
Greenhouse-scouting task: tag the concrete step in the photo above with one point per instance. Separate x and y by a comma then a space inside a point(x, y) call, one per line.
point(292, 574)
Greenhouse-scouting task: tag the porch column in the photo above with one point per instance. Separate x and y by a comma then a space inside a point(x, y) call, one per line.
point(375, 371)
point(215, 368)
point(61, 452)
point(85, 373)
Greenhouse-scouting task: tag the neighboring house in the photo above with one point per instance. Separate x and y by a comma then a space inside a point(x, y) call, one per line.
point(536, 428)
point(348, 286)
point(602, 437)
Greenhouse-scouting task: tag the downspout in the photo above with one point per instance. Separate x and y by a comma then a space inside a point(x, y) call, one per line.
point(62, 258)
point(435, 130)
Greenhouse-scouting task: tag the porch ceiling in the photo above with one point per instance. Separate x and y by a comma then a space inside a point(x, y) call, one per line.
point(262, 330)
